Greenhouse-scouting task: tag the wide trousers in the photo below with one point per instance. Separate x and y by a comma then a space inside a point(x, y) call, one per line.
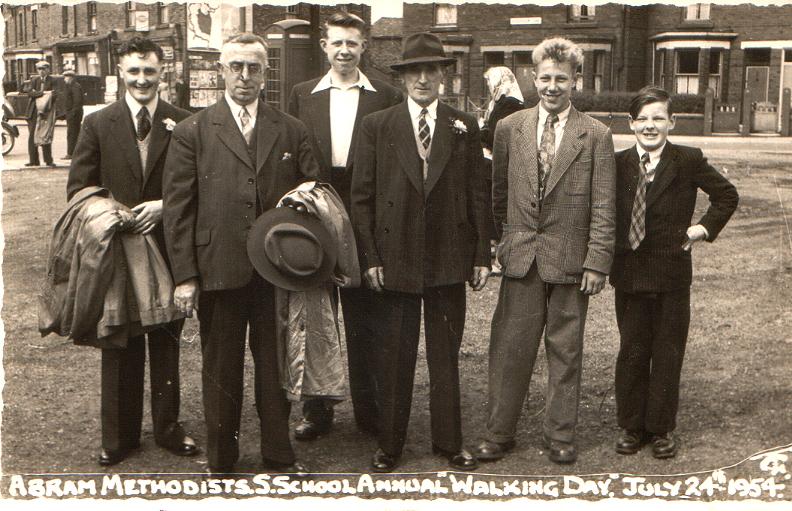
point(398, 318)
point(73, 123)
point(653, 331)
point(122, 388)
point(46, 149)
point(224, 320)
point(356, 306)
point(526, 308)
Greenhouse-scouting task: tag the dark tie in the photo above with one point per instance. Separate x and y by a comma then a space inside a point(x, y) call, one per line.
point(423, 129)
point(546, 152)
point(638, 219)
point(144, 123)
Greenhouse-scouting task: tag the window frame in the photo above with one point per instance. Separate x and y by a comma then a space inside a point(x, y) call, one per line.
point(698, 12)
point(576, 12)
point(64, 20)
point(91, 9)
point(440, 6)
point(689, 77)
point(163, 13)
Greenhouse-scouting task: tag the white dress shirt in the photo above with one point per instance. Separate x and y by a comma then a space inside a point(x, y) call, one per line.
point(559, 126)
point(654, 159)
point(344, 100)
point(415, 115)
point(236, 108)
point(134, 108)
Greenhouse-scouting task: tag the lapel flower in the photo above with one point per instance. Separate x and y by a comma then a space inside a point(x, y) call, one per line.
point(458, 127)
point(169, 124)
point(286, 156)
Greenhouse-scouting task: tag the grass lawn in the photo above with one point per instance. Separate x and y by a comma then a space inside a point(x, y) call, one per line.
point(736, 384)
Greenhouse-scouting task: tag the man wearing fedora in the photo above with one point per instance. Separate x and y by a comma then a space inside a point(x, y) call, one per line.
point(35, 89)
point(227, 165)
point(419, 208)
point(332, 108)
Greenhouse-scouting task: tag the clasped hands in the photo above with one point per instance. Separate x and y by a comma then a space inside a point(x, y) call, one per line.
point(143, 218)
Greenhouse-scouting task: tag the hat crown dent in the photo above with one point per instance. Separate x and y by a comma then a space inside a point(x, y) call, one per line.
point(293, 250)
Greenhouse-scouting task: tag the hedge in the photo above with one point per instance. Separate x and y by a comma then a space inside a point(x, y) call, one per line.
point(620, 102)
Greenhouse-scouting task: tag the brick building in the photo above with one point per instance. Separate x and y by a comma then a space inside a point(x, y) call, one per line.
point(687, 49)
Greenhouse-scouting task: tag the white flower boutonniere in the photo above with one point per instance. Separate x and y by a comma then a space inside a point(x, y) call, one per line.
point(458, 126)
point(169, 124)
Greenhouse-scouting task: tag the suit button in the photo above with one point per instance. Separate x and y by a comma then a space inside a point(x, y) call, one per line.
point(250, 204)
point(386, 230)
point(539, 231)
point(390, 203)
point(251, 181)
point(533, 204)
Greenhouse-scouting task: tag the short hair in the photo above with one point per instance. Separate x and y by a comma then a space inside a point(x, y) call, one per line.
point(139, 45)
point(244, 38)
point(559, 50)
point(647, 95)
point(346, 20)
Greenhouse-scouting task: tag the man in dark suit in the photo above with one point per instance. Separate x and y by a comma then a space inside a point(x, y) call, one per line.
point(419, 208)
point(72, 110)
point(657, 184)
point(552, 195)
point(122, 148)
point(332, 108)
point(35, 89)
point(226, 166)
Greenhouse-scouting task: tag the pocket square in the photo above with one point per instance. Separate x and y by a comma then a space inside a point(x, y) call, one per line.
point(286, 156)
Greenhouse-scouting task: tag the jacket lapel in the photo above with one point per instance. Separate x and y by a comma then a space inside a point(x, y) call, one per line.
point(366, 105)
point(403, 137)
point(665, 172)
point(228, 132)
point(442, 145)
point(527, 150)
point(633, 172)
point(571, 144)
point(160, 137)
point(267, 133)
point(123, 130)
point(320, 115)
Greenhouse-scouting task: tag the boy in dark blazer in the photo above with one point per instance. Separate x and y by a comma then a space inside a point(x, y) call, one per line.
point(657, 184)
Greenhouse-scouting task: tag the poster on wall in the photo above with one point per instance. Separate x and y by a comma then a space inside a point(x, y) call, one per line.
point(209, 24)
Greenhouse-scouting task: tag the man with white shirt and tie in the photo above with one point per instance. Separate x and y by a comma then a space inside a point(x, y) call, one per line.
point(553, 201)
point(226, 166)
point(419, 209)
point(332, 108)
point(123, 148)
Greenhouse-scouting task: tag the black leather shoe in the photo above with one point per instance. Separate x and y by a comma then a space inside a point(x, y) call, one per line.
point(461, 460)
point(67, 157)
point(559, 452)
point(51, 165)
point(630, 442)
point(664, 446)
point(108, 458)
point(296, 467)
point(309, 430)
point(31, 164)
point(383, 462)
point(493, 451)
point(185, 446)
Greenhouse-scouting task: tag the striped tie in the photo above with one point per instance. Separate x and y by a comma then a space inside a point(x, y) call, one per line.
point(638, 222)
point(244, 121)
point(423, 129)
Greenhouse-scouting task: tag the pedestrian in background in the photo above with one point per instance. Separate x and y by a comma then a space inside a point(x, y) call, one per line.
point(35, 89)
point(73, 110)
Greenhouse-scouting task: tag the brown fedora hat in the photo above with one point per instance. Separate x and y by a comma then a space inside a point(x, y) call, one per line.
point(422, 48)
point(292, 249)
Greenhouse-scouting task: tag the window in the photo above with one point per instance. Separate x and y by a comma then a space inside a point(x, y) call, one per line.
point(523, 70)
point(687, 71)
point(91, 8)
point(64, 20)
point(22, 36)
point(581, 12)
point(697, 12)
point(661, 56)
point(130, 14)
point(163, 13)
point(274, 77)
point(445, 15)
point(579, 85)
point(715, 70)
point(34, 22)
point(599, 70)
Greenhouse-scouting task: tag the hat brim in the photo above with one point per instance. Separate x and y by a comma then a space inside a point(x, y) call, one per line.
point(443, 61)
point(268, 271)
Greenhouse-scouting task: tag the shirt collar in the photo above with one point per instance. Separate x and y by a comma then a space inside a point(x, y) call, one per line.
point(562, 117)
point(654, 156)
point(327, 83)
point(415, 109)
point(134, 106)
point(236, 107)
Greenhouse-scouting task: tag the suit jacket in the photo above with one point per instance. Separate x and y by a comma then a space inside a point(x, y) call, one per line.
point(70, 99)
point(314, 111)
point(573, 228)
point(32, 90)
point(504, 107)
point(107, 155)
point(424, 234)
point(212, 189)
point(659, 264)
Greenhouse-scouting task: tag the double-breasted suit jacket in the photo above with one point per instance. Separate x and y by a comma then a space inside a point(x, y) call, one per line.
point(423, 234)
point(213, 189)
point(314, 111)
point(659, 263)
point(572, 229)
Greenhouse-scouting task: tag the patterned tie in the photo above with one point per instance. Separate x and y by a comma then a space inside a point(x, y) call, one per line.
point(546, 152)
point(143, 124)
point(423, 129)
point(244, 121)
point(638, 222)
